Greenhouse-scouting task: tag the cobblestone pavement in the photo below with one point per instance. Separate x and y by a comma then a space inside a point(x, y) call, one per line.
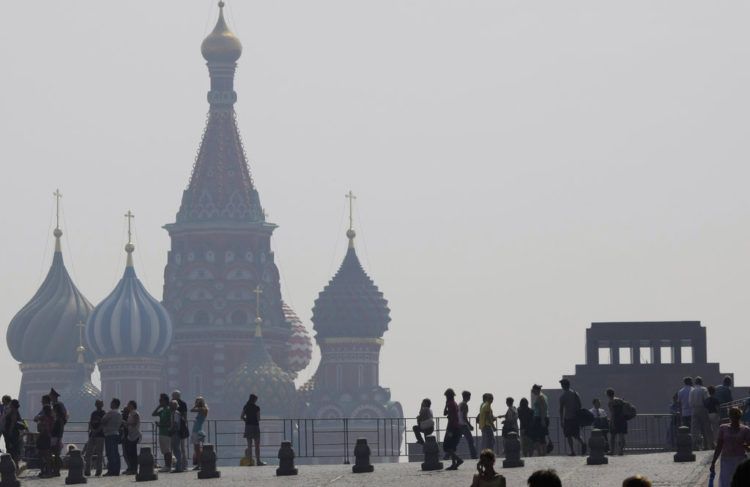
point(574, 473)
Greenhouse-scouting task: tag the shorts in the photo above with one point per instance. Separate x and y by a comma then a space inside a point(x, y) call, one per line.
point(165, 444)
point(252, 432)
point(571, 428)
point(197, 437)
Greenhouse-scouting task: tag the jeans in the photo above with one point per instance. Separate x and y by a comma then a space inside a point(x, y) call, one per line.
point(130, 453)
point(466, 433)
point(113, 454)
point(176, 440)
point(418, 432)
point(95, 447)
point(488, 438)
point(701, 428)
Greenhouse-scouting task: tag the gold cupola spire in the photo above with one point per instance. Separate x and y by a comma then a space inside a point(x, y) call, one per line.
point(129, 247)
point(221, 46)
point(350, 233)
point(57, 232)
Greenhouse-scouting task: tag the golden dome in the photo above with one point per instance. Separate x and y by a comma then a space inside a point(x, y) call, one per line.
point(221, 45)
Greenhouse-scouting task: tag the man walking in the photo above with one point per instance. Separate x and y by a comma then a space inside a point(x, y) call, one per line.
point(453, 430)
point(463, 421)
point(487, 422)
point(724, 395)
point(111, 423)
point(618, 423)
point(683, 395)
point(700, 424)
point(95, 444)
point(182, 409)
point(570, 404)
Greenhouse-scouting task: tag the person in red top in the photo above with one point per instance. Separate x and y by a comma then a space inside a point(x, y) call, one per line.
point(453, 431)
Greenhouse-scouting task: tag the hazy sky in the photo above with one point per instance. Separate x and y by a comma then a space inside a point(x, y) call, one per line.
point(523, 167)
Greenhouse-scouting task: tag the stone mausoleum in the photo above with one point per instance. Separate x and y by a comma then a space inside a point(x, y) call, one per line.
point(222, 329)
point(644, 362)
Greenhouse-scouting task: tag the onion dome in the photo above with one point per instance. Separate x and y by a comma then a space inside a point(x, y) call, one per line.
point(81, 394)
point(44, 331)
point(261, 376)
point(129, 322)
point(221, 45)
point(299, 345)
point(351, 304)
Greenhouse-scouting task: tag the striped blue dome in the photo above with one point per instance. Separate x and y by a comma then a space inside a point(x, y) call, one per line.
point(129, 322)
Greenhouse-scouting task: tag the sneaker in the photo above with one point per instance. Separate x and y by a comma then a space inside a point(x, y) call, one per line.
point(453, 467)
point(197, 467)
point(260, 463)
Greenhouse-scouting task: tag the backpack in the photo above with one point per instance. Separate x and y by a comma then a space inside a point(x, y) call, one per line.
point(585, 417)
point(628, 411)
point(184, 431)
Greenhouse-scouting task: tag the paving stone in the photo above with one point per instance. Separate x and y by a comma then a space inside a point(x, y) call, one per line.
point(659, 467)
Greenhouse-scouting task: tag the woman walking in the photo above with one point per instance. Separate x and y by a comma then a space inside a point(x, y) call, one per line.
point(525, 418)
point(131, 438)
point(176, 436)
point(732, 445)
point(198, 436)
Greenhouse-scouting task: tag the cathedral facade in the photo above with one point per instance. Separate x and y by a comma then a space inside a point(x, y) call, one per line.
point(222, 329)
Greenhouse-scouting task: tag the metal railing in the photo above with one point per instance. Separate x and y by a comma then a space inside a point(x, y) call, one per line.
point(390, 439)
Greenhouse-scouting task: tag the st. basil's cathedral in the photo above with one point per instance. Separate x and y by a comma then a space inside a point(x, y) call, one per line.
point(223, 329)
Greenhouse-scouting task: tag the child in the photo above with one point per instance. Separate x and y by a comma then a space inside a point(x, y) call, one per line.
point(486, 476)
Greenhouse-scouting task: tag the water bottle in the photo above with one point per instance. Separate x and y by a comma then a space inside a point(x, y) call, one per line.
point(711, 479)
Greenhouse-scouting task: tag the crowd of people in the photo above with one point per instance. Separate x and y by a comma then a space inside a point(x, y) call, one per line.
point(694, 405)
point(530, 421)
point(698, 407)
point(118, 429)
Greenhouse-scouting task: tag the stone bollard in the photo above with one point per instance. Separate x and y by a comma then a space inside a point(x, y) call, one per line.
point(208, 463)
point(431, 455)
point(512, 447)
point(75, 468)
point(8, 472)
point(286, 460)
point(597, 446)
point(146, 470)
point(684, 445)
point(362, 457)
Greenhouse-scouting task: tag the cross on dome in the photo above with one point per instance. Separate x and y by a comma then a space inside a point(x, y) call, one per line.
point(350, 234)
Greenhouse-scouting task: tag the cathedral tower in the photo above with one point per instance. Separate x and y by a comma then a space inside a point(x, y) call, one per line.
point(221, 248)
point(43, 335)
point(130, 332)
point(350, 317)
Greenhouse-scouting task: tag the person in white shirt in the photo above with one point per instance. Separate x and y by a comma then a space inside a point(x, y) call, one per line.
point(683, 395)
point(700, 424)
point(600, 421)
